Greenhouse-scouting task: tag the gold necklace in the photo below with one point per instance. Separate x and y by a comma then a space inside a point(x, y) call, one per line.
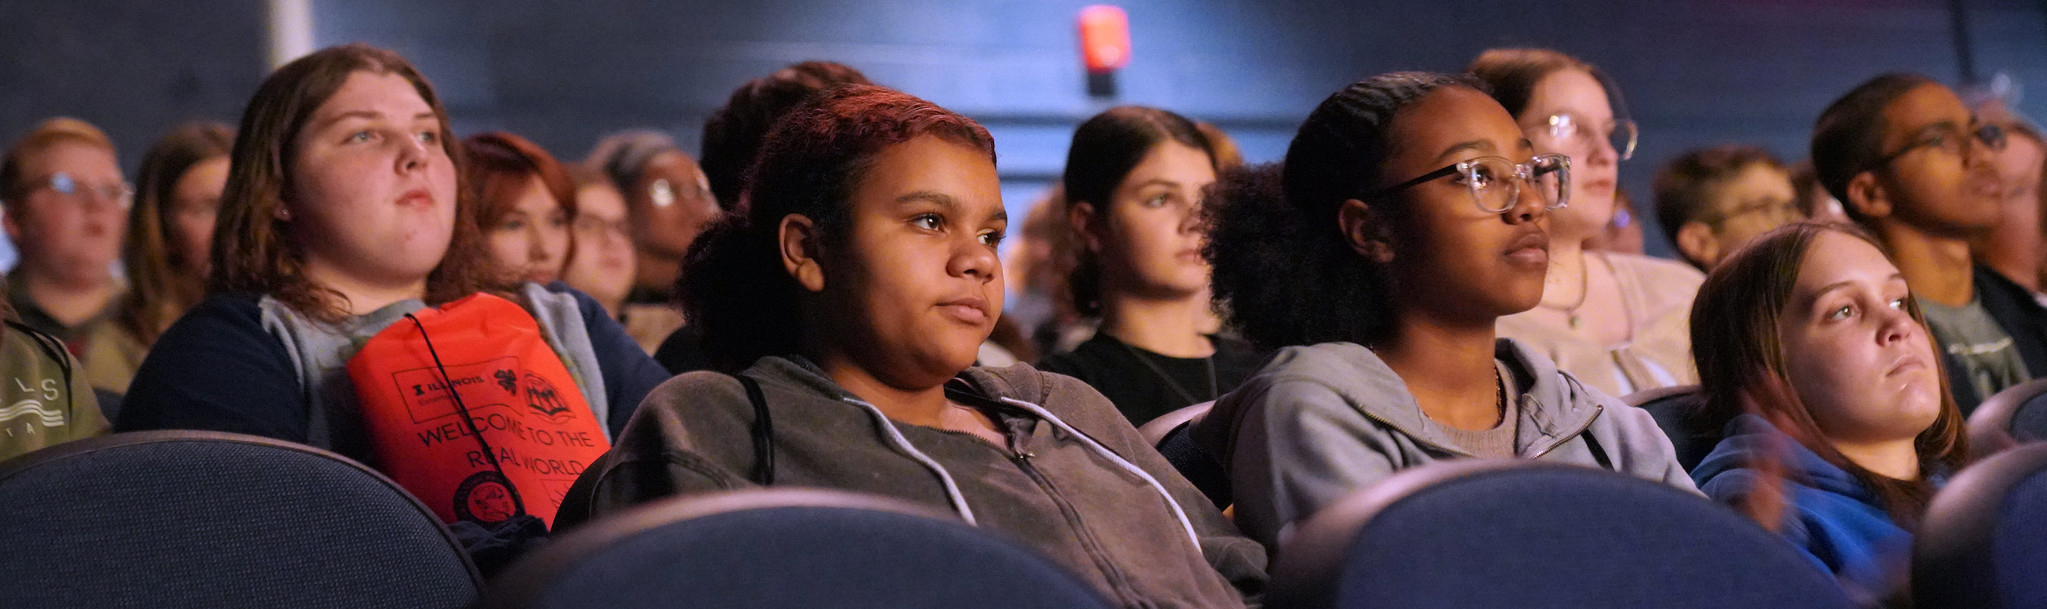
point(1584, 291)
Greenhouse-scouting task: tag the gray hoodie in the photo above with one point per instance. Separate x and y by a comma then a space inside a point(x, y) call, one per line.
point(1076, 482)
point(1323, 421)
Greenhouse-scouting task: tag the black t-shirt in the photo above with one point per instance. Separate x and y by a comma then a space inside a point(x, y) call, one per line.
point(1145, 385)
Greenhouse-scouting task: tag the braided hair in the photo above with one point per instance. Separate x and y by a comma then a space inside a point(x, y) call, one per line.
point(1284, 274)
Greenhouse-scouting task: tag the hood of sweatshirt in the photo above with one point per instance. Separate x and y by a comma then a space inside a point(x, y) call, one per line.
point(1554, 407)
point(1750, 436)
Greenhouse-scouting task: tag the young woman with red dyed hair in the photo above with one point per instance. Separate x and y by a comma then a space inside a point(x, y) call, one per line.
point(524, 203)
point(853, 290)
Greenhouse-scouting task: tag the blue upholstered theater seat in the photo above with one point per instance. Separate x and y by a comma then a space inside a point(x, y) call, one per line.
point(1486, 534)
point(188, 519)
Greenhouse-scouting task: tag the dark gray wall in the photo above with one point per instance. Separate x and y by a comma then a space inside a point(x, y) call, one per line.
point(1695, 72)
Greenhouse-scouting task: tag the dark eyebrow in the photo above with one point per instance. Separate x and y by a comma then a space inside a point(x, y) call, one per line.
point(1473, 145)
point(1948, 126)
point(933, 197)
point(951, 205)
point(368, 115)
point(361, 114)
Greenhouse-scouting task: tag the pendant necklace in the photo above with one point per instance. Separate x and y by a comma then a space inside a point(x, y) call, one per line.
point(1584, 291)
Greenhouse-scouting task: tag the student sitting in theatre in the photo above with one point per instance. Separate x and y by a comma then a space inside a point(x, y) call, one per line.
point(1410, 215)
point(1134, 184)
point(340, 217)
point(847, 299)
point(1839, 422)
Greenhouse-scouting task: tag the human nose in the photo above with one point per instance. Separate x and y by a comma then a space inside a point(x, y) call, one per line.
point(1898, 325)
point(974, 259)
point(1190, 214)
point(536, 245)
point(1529, 204)
point(414, 155)
point(1599, 147)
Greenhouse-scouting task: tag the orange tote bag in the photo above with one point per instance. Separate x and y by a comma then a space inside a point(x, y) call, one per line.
point(467, 407)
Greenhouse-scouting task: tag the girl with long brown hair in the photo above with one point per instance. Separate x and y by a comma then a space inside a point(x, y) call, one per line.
point(1815, 357)
point(340, 218)
point(1134, 184)
point(1616, 321)
point(170, 235)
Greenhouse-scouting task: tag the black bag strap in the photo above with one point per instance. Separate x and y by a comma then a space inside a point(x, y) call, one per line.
point(763, 432)
point(518, 502)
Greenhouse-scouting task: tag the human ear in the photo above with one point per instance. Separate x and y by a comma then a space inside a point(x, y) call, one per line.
point(1695, 240)
point(1866, 196)
point(1081, 217)
point(798, 244)
point(1364, 231)
point(9, 222)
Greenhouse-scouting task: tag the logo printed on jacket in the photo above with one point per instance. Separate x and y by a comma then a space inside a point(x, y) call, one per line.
point(34, 404)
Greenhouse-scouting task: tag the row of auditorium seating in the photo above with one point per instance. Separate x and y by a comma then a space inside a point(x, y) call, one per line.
point(2012, 417)
point(182, 519)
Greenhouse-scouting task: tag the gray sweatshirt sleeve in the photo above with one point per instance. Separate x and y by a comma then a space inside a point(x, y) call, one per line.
point(1301, 447)
point(1642, 449)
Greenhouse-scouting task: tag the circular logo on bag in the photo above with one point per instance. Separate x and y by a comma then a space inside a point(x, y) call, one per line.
point(485, 497)
point(544, 400)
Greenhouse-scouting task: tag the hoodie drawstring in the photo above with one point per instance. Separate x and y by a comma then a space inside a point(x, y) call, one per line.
point(1127, 466)
point(952, 489)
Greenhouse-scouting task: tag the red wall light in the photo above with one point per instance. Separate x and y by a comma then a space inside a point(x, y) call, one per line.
point(1104, 38)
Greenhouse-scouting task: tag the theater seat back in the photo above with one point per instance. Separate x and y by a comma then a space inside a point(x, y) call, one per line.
point(1983, 541)
point(786, 549)
point(1474, 534)
point(2017, 415)
point(187, 519)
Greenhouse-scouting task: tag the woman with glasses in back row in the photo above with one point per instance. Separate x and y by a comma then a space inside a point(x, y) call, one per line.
point(1410, 215)
point(1616, 321)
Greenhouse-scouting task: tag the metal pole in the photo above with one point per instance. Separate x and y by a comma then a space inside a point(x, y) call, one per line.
point(1965, 54)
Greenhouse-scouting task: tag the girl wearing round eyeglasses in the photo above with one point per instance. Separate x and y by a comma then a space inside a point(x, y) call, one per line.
point(1616, 321)
point(1409, 216)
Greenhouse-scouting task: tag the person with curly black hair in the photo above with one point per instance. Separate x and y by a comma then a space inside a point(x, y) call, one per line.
point(1409, 216)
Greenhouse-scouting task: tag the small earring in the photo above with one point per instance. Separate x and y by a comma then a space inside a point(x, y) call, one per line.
point(283, 215)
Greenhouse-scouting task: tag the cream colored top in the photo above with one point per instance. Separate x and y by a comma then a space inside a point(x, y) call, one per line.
point(1658, 296)
point(649, 324)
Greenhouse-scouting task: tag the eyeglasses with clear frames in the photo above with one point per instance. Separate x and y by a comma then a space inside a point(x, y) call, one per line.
point(1495, 182)
point(1579, 134)
point(1949, 140)
point(1777, 212)
point(118, 193)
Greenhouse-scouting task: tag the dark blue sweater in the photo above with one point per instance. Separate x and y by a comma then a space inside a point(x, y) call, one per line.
point(217, 369)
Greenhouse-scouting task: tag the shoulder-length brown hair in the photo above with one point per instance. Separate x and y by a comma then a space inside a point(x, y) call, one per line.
point(162, 284)
point(251, 252)
point(1743, 367)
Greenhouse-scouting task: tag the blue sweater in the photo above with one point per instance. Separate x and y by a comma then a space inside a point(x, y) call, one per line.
point(217, 369)
point(1839, 523)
